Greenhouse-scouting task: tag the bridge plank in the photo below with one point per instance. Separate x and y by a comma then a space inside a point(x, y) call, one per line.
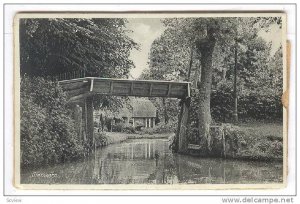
point(74, 85)
point(131, 88)
point(111, 87)
point(151, 88)
point(169, 89)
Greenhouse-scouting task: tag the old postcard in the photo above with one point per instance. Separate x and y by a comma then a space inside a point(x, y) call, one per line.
point(150, 100)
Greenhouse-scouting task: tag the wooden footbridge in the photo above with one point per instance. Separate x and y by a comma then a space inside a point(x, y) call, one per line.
point(82, 90)
point(83, 87)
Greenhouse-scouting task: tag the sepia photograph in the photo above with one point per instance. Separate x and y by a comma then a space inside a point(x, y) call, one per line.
point(150, 100)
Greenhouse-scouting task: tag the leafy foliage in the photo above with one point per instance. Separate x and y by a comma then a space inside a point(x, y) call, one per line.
point(104, 139)
point(201, 50)
point(160, 128)
point(259, 84)
point(123, 127)
point(98, 46)
point(47, 130)
point(259, 74)
point(246, 143)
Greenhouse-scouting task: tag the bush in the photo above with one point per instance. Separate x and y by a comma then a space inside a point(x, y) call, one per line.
point(255, 105)
point(260, 106)
point(161, 128)
point(245, 143)
point(129, 129)
point(100, 139)
point(122, 127)
point(47, 130)
point(240, 143)
point(222, 102)
point(104, 139)
point(118, 127)
point(139, 125)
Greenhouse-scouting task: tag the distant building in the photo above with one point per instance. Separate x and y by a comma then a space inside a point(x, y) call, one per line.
point(143, 113)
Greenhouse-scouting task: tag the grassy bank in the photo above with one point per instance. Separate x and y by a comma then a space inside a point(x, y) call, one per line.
point(263, 141)
point(107, 138)
point(263, 129)
point(150, 136)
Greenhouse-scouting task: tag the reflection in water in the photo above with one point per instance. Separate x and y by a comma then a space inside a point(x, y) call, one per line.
point(150, 161)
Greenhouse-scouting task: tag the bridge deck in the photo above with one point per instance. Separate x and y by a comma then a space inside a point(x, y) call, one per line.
point(82, 87)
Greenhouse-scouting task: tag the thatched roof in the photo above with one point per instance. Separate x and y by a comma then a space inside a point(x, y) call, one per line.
point(107, 113)
point(143, 108)
point(125, 112)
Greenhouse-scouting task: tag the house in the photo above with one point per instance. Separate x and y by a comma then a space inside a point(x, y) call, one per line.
point(142, 113)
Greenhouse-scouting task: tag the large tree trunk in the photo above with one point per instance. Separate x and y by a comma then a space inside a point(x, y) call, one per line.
point(77, 116)
point(205, 47)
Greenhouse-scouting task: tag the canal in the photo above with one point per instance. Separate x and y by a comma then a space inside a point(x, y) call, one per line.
point(149, 161)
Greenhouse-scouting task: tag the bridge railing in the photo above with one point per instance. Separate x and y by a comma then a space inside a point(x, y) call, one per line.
point(70, 75)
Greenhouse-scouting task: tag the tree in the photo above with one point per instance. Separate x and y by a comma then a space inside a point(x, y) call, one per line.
point(202, 34)
point(100, 47)
point(205, 36)
point(165, 64)
point(51, 46)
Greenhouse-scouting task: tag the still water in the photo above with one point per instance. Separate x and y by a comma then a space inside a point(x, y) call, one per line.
point(150, 161)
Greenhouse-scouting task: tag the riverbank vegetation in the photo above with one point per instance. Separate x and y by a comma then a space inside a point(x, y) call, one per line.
point(53, 47)
point(262, 142)
point(47, 130)
point(106, 138)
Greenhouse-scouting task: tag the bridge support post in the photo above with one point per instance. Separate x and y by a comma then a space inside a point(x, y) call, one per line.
point(181, 141)
point(77, 116)
point(90, 123)
point(83, 122)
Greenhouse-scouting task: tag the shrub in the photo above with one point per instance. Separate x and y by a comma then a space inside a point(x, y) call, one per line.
point(161, 128)
point(257, 105)
point(222, 102)
point(246, 143)
point(118, 127)
point(104, 139)
point(47, 130)
point(139, 125)
point(129, 129)
point(100, 139)
point(122, 127)
point(166, 128)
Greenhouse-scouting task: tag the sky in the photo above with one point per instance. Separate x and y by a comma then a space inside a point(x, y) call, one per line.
point(146, 30)
point(274, 35)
